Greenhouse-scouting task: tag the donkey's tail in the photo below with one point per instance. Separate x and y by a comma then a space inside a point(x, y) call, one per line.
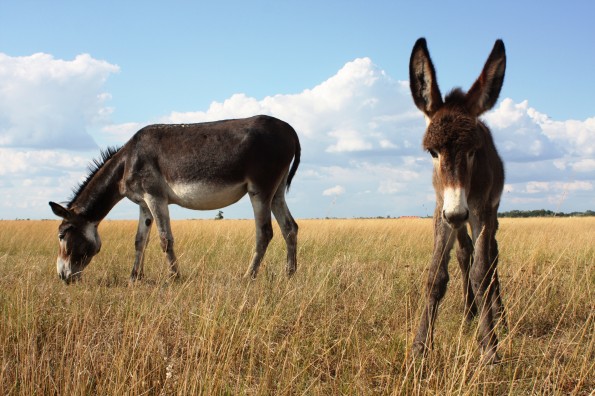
point(296, 161)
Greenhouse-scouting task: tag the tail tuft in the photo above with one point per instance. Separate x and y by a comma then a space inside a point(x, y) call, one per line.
point(296, 162)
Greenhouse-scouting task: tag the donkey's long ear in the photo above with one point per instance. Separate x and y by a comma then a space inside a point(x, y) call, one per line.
point(422, 79)
point(60, 211)
point(485, 91)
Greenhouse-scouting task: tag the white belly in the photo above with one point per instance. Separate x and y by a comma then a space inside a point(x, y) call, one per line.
point(206, 196)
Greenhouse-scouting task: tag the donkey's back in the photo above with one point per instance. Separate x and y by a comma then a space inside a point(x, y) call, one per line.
point(209, 165)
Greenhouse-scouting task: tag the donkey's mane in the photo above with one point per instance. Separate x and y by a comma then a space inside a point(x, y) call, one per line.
point(455, 97)
point(93, 168)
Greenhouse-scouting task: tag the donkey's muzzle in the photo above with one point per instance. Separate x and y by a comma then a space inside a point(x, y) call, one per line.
point(69, 278)
point(64, 277)
point(456, 219)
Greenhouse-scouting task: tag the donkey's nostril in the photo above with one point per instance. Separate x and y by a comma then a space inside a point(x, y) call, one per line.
point(464, 216)
point(64, 277)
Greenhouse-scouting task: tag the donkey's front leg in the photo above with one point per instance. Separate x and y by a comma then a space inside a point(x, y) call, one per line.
point(464, 257)
point(498, 309)
point(145, 221)
point(482, 281)
point(436, 284)
point(160, 212)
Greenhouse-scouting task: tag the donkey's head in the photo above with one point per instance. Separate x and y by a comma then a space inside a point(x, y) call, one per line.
point(79, 242)
point(454, 137)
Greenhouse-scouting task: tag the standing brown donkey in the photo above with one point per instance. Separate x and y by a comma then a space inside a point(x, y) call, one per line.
point(468, 179)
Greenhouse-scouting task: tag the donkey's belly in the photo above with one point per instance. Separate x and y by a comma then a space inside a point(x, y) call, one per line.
point(206, 196)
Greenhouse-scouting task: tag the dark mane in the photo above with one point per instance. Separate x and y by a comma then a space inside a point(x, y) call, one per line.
point(455, 97)
point(93, 168)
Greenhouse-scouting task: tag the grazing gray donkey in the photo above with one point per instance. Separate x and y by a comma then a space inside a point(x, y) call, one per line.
point(198, 166)
point(468, 179)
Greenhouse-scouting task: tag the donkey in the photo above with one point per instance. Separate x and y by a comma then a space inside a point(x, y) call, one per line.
point(468, 178)
point(198, 166)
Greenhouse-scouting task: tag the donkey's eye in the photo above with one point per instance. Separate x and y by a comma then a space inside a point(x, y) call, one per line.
point(433, 153)
point(62, 233)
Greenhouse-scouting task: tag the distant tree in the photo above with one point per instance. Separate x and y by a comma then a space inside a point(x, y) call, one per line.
point(544, 213)
point(219, 215)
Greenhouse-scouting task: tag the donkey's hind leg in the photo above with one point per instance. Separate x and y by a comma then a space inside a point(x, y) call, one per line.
point(145, 221)
point(288, 226)
point(261, 204)
point(465, 258)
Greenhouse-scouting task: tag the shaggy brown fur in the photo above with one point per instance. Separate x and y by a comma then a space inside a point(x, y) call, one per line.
point(468, 180)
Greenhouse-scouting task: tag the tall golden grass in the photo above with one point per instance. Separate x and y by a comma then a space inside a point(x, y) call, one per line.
point(342, 325)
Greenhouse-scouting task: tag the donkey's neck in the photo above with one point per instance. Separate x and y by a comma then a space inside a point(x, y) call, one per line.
point(102, 191)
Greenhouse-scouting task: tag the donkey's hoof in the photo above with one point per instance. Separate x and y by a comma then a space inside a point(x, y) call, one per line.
point(490, 358)
point(250, 274)
point(135, 278)
point(174, 276)
point(290, 271)
point(419, 350)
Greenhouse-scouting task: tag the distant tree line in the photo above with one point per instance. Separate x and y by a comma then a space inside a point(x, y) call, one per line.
point(544, 213)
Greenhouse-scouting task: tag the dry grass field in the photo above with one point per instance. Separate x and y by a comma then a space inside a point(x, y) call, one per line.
point(342, 325)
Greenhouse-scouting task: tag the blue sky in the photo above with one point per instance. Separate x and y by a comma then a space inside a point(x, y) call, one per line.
point(105, 69)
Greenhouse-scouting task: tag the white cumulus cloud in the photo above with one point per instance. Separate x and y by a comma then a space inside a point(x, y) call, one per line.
point(348, 140)
point(334, 191)
point(358, 109)
point(51, 103)
point(519, 136)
